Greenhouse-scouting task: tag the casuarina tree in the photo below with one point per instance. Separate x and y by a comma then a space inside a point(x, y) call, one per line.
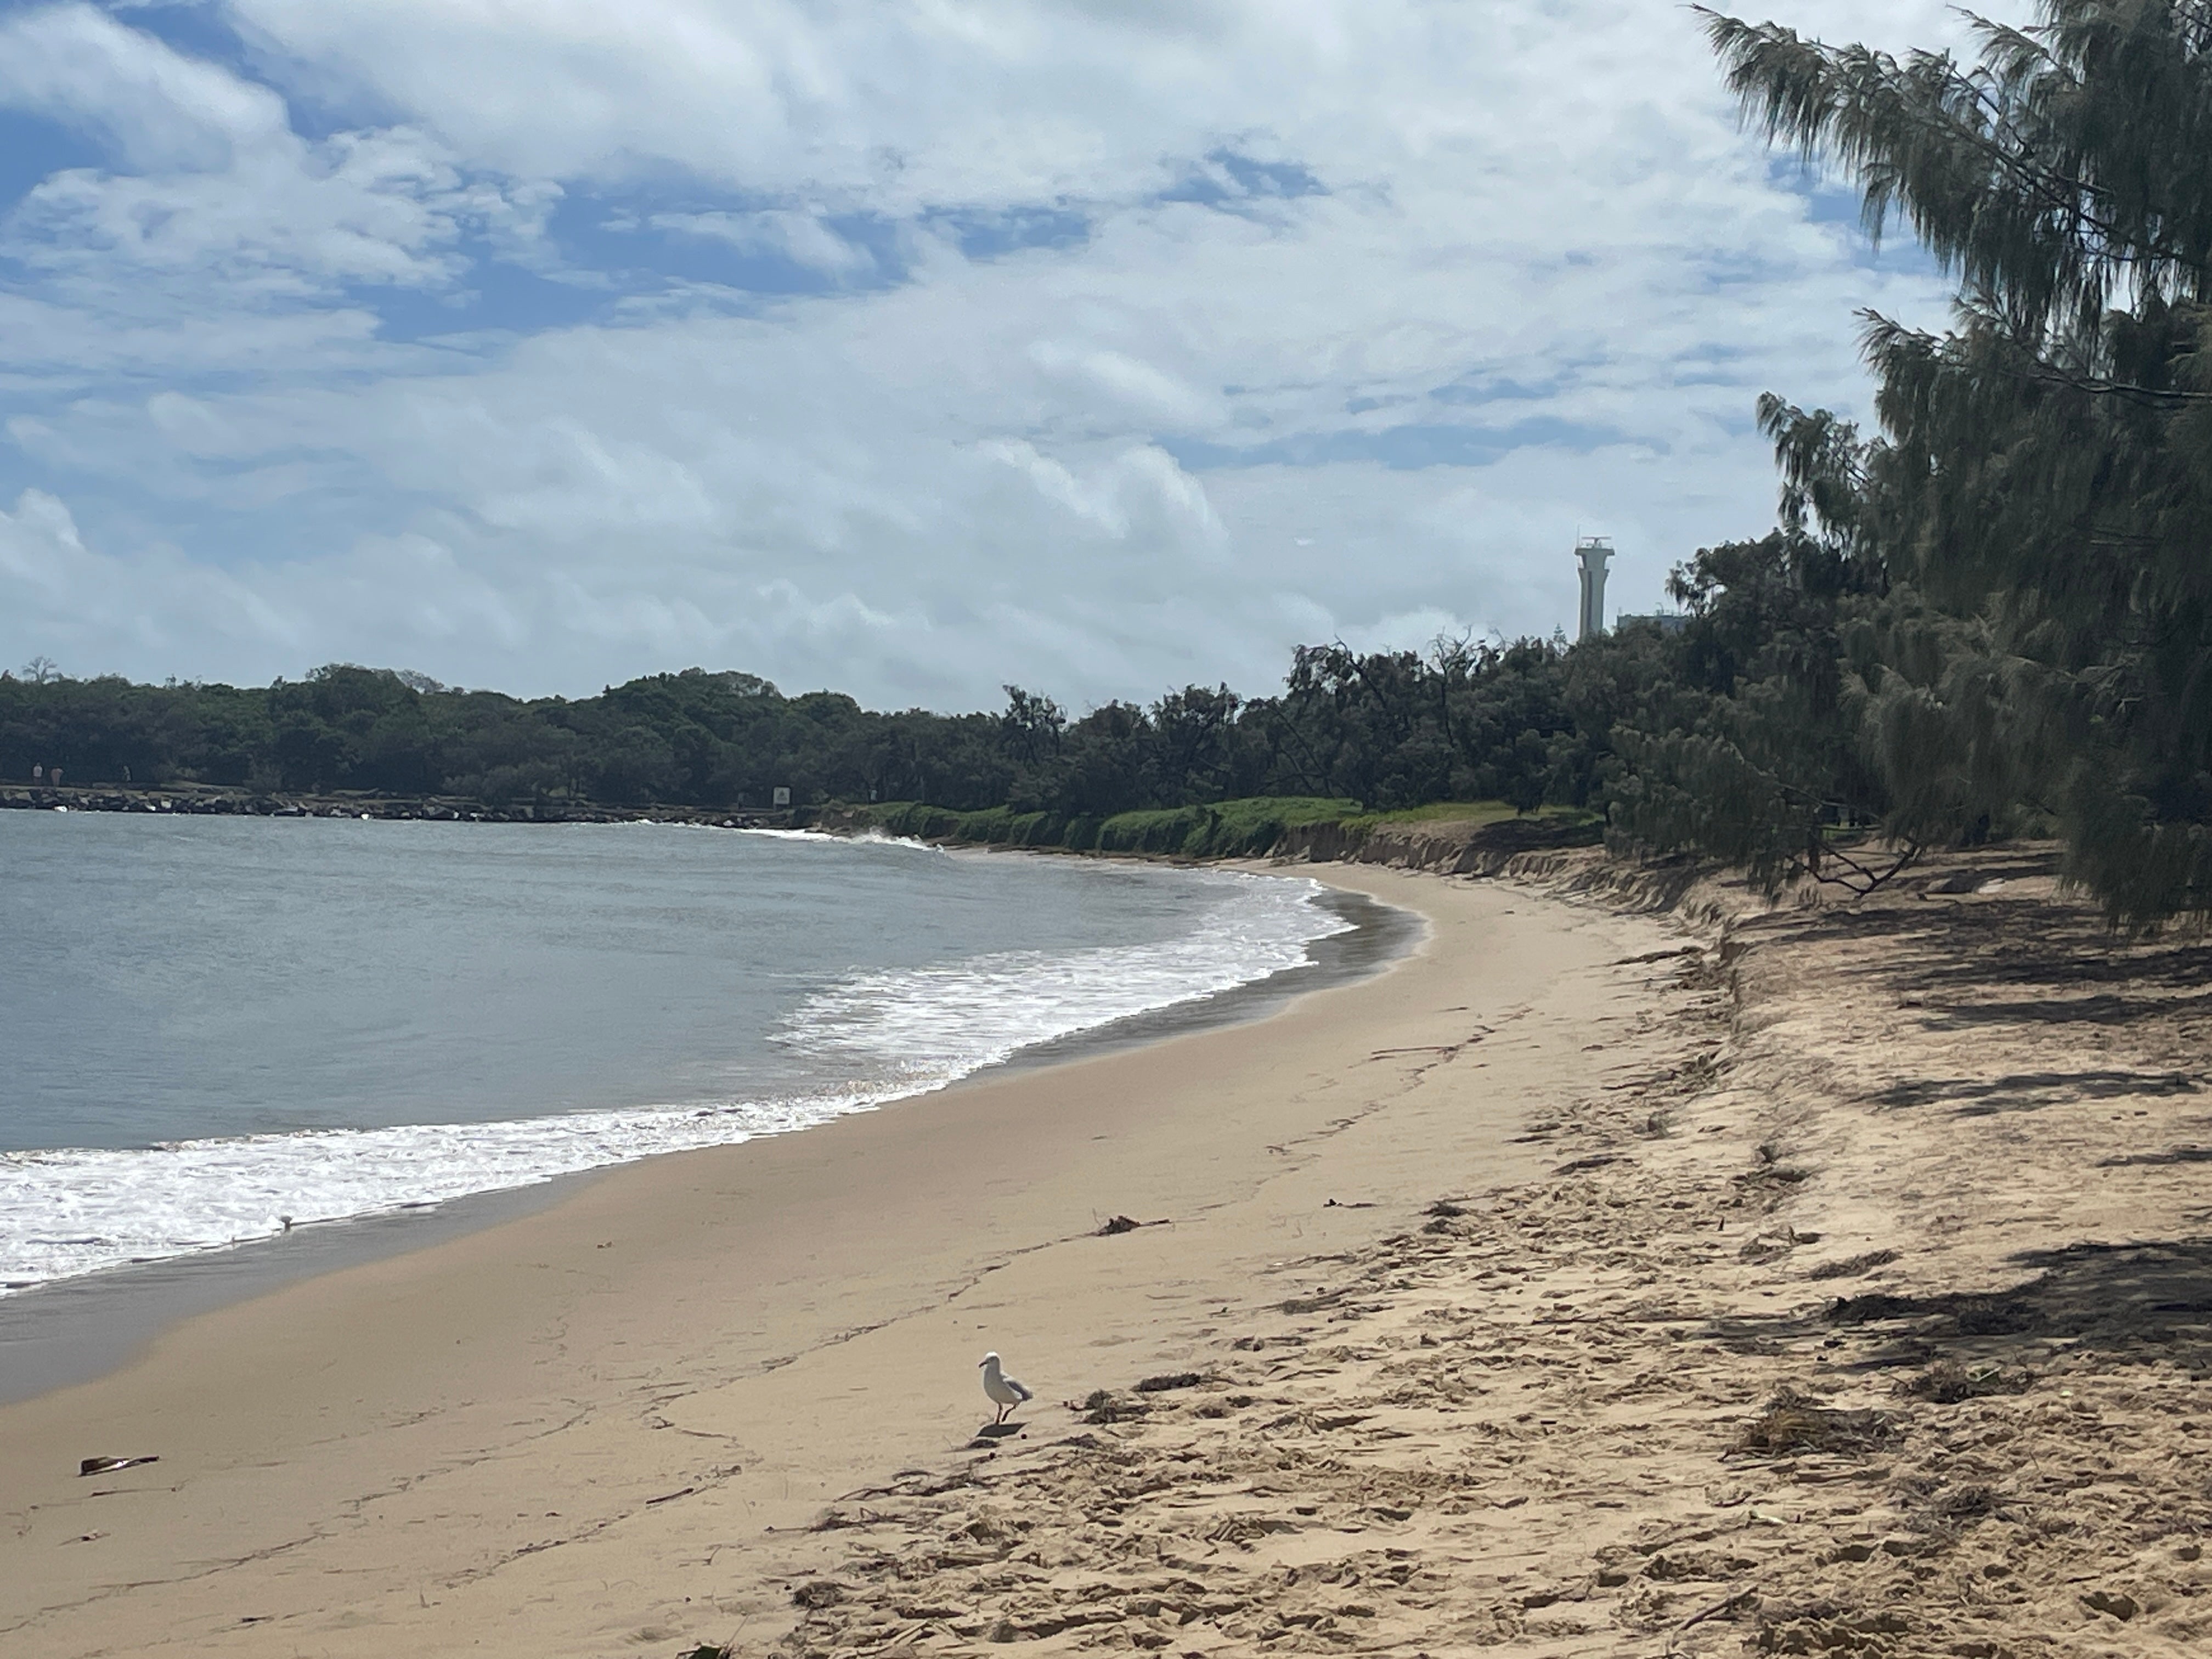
point(2039, 500)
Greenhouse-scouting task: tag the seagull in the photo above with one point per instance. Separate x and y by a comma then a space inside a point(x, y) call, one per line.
point(1005, 1393)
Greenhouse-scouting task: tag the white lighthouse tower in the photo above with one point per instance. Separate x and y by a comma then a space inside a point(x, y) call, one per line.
point(1591, 554)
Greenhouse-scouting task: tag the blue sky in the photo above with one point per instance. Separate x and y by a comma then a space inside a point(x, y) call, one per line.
point(1101, 345)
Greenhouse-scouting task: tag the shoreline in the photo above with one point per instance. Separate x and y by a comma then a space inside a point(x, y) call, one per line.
point(74, 1329)
point(1571, 1288)
point(65, 1332)
point(1863, 1308)
point(723, 1343)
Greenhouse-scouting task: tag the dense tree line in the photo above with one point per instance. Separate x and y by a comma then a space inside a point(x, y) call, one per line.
point(1528, 722)
point(1994, 615)
point(1387, 729)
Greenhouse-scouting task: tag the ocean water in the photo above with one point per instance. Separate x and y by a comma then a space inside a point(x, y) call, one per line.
point(210, 1028)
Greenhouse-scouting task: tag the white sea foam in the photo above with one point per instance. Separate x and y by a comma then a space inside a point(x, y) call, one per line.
point(77, 1211)
point(949, 1020)
point(869, 837)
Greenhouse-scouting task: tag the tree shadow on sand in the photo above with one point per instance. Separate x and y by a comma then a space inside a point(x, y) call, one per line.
point(2138, 1302)
point(2026, 1090)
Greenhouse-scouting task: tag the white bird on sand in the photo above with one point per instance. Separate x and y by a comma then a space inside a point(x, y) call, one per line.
point(1005, 1393)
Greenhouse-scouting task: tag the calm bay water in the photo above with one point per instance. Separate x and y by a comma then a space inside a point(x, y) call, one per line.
point(208, 1025)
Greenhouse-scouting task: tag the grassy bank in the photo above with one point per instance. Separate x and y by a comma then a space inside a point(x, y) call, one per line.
point(1229, 828)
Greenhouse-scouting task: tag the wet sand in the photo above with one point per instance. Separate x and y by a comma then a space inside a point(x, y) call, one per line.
point(600, 1428)
point(75, 1329)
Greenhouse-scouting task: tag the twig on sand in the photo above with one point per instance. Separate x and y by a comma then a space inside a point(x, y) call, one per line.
point(1719, 1609)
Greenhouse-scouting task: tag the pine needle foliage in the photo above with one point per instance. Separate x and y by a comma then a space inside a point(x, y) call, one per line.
point(2038, 504)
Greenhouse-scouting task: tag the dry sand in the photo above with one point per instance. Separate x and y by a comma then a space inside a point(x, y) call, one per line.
point(1866, 1308)
point(1841, 1286)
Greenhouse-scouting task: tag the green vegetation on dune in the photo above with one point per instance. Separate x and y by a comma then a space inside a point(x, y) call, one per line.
point(1250, 827)
point(1227, 829)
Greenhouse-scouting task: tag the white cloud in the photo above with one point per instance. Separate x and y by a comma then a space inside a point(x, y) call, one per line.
point(69, 598)
point(216, 187)
point(801, 237)
point(158, 109)
point(38, 542)
point(1142, 388)
point(1524, 241)
point(1001, 102)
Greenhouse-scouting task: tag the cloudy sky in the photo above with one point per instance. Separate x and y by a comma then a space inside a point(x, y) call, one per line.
point(1099, 345)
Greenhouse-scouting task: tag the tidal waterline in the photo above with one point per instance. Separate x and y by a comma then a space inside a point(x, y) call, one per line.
point(219, 1026)
point(72, 1330)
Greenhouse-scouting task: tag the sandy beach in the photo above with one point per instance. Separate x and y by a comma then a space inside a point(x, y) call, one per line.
point(594, 1427)
point(1804, 1281)
point(1864, 1305)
